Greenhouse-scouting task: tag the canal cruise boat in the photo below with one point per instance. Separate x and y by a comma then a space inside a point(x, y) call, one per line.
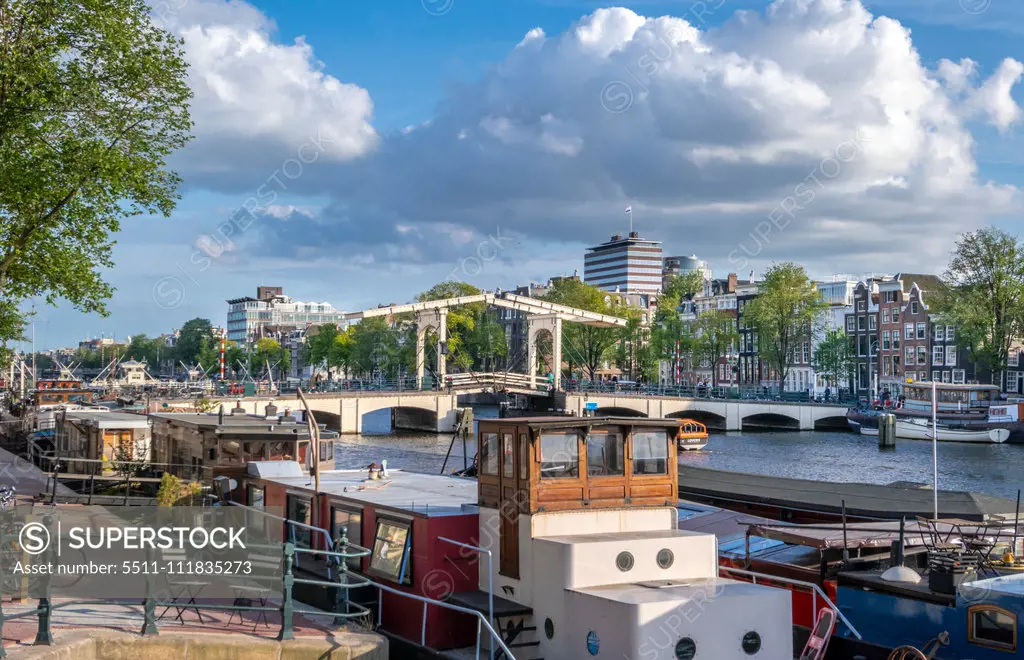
point(567, 541)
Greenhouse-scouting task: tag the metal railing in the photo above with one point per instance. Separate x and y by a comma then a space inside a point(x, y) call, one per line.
point(743, 393)
point(815, 590)
point(490, 576)
point(292, 524)
point(481, 623)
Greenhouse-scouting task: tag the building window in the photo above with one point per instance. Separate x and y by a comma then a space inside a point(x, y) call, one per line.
point(298, 511)
point(922, 330)
point(351, 522)
point(950, 334)
point(872, 322)
point(896, 340)
point(391, 551)
point(850, 323)
point(938, 355)
point(559, 456)
point(489, 454)
point(946, 376)
point(950, 356)
point(1012, 359)
point(605, 454)
point(940, 333)
point(959, 376)
point(861, 305)
point(936, 375)
point(886, 366)
point(885, 316)
point(913, 308)
point(860, 323)
point(922, 355)
point(895, 315)
point(908, 331)
point(650, 452)
point(909, 355)
point(1011, 381)
point(807, 353)
point(885, 340)
point(988, 625)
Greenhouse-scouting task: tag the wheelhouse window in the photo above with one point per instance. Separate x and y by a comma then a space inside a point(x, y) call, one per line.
point(298, 511)
point(254, 496)
point(508, 456)
point(350, 521)
point(524, 457)
point(390, 556)
point(559, 456)
point(650, 452)
point(988, 625)
point(489, 454)
point(605, 453)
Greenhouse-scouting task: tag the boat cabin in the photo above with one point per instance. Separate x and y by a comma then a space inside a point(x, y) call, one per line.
point(951, 398)
point(55, 391)
point(579, 516)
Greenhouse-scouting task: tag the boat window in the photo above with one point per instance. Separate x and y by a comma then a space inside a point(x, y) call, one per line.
point(650, 452)
point(298, 511)
point(988, 625)
point(524, 457)
point(605, 454)
point(350, 521)
point(489, 454)
point(559, 456)
point(508, 468)
point(391, 551)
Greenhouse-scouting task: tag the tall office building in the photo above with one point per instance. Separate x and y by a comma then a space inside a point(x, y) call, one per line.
point(675, 265)
point(628, 265)
point(273, 314)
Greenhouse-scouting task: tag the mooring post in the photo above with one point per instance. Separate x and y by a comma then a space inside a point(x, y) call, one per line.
point(287, 608)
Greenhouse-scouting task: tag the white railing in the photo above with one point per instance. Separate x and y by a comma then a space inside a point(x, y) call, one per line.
point(480, 621)
point(497, 381)
point(815, 590)
point(490, 575)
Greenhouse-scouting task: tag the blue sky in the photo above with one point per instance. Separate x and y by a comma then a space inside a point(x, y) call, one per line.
point(514, 141)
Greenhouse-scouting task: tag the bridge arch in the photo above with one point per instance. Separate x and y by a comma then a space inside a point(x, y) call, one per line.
point(770, 421)
point(713, 421)
point(836, 422)
point(619, 411)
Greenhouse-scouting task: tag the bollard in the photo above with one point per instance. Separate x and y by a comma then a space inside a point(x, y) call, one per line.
point(887, 431)
point(149, 604)
point(341, 602)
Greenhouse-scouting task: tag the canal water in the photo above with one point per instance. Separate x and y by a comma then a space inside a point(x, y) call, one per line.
point(823, 456)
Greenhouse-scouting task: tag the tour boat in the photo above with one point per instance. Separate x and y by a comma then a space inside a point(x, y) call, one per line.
point(691, 436)
point(579, 518)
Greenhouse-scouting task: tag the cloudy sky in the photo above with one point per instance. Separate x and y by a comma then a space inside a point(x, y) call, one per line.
point(358, 153)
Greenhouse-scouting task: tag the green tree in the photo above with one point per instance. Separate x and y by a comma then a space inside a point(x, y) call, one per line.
point(234, 356)
point(713, 333)
point(191, 339)
point(320, 347)
point(93, 99)
point(342, 351)
point(270, 352)
point(984, 295)
point(486, 342)
point(785, 314)
point(634, 353)
point(683, 286)
point(834, 358)
point(461, 320)
point(585, 345)
point(209, 354)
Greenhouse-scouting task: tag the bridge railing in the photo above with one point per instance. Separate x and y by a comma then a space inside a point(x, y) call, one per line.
point(497, 381)
point(742, 393)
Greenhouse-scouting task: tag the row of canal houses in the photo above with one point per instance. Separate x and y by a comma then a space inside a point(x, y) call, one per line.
point(896, 336)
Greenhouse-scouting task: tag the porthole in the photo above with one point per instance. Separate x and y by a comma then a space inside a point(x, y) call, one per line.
point(624, 561)
point(686, 649)
point(593, 643)
point(665, 558)
point(751, 643)
point(549, 628)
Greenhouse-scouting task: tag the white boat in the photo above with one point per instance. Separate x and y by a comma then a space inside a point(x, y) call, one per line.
point(867, 430)
point(921, 429)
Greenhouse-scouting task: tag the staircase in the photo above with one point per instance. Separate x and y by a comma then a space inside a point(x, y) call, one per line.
point(514, 622)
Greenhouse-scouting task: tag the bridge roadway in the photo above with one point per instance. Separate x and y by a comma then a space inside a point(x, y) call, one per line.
point(432, 410)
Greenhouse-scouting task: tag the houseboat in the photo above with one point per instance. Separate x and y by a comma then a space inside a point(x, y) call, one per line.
point(965, 413)
point(567, 541)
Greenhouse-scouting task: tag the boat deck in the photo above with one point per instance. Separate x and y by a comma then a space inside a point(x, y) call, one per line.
point(724, 487)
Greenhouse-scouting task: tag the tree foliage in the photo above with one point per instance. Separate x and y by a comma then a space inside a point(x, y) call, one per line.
point(93, 99)
point(834, 358)
point(683, 286)
point(192, 338)
point(713, 333)
point(585, 345)
point(462, 321)
point(984, 295)
point(269, 353)
point(785, 314)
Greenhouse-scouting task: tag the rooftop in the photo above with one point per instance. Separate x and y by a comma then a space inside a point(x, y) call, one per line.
point(108, 419)
point(238, 424)
point(430, 495)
